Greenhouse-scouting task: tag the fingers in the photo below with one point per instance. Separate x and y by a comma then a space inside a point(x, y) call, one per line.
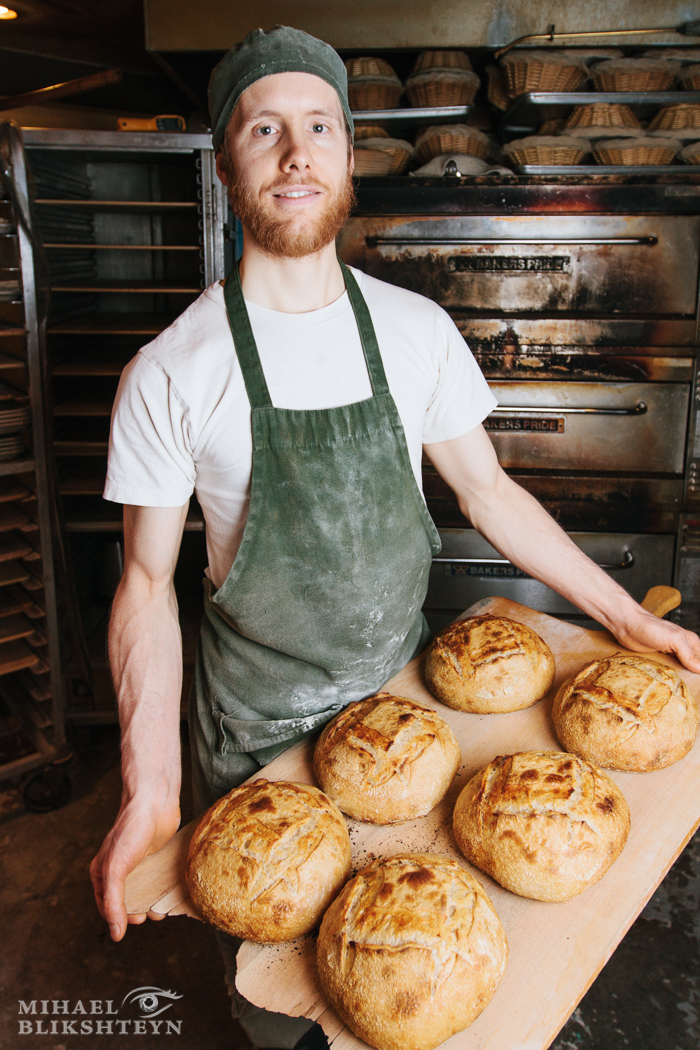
point(650, 634)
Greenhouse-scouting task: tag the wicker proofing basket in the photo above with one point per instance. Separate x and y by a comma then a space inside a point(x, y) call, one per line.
point(368, 66)
point(691, 154)
point(374, 92)
point(690, 77)
point(602, 115)
point(547, 149)
point(369, 131)
point(636, 151)
point(399, 151)
point(542, 71)
point(635, 74)
point(442, 88)
point(451, 138)
point(677, 118)
point(593, 133)
point(497, 88)
point(441, 60)
point(372, 162)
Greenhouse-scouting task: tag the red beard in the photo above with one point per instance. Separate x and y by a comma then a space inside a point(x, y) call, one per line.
point(278, 236)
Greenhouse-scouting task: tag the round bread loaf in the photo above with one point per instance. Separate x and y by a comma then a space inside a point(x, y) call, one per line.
point(411, 951)
point(626, 712)
point(544, 824)
point(267, 859)
point(489, 664)
point(386, 759)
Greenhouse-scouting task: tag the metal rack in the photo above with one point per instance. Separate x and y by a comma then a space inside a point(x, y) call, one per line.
point(31, 680)
point(133, 229)
point(532, 108)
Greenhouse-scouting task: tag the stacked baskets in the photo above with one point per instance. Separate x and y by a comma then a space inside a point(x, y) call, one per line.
point(542, 71)
point(442, 78)
point(372, 84)
point(451, 138)
point(635, 74)
point(547, 149)
point(376, 153)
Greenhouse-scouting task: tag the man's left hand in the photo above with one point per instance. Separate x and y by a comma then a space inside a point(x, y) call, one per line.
point(646, 633)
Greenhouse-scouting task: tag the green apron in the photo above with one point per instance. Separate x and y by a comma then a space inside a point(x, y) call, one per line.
point(322, 605)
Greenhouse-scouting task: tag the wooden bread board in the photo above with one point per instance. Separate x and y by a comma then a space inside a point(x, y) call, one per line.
point(555, 950)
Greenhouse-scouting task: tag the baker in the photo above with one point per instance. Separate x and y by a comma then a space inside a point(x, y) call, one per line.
point(295, 401)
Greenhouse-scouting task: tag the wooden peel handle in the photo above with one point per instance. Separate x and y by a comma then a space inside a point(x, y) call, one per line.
point(660, 600)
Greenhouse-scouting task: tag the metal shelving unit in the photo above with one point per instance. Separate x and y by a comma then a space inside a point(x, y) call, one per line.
point(532, 108)
point(32, 695)
point(133, 229)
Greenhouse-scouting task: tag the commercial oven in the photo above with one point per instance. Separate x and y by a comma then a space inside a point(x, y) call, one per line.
point(579, 299)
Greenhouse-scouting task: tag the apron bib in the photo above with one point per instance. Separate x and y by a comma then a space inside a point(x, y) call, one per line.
point(322, 605)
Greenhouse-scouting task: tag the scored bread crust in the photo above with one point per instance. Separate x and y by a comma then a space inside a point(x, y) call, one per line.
point(386, 759)
point(267, 859)
point(411, 951)
point(488, 665)
point(626, 712)
point(545, 825)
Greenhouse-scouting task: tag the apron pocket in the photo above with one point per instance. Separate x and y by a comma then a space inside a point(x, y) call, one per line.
point(239, 734)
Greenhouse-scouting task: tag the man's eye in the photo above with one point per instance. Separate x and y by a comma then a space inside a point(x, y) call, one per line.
point(318, 127)
point(265, 130)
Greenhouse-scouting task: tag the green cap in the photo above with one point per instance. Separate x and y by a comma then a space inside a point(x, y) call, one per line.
point(282, 50)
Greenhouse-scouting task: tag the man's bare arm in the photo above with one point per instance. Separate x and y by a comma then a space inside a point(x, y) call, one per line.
point(145, 654)
point(520, 528)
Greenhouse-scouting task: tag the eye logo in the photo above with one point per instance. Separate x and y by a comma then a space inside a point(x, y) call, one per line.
point(147, 999)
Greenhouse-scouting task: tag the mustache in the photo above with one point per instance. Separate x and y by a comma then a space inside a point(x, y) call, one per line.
point(284, 182)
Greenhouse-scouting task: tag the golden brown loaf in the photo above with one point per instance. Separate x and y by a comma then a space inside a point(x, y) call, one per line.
point(411, 951)
point(267, 859)
point(544, 824)
point(386, 759)
point(626, 712)
point(489, 664)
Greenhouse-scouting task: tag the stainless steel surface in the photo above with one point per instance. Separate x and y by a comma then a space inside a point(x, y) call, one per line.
point(412, 117)
point(373, 242)
point(214, 25)
point(214, 212)
point(626, 562)
point(471, 569)
point(52, 743)
point(537, 425)
point(476, 261)
point(116, 141)
point(586, 170)
point(532, 107)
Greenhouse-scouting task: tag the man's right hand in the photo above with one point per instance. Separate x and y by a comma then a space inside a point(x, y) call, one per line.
point(140, 829)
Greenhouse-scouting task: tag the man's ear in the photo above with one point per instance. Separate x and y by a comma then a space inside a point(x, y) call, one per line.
point(221, 168)
point(351, 163)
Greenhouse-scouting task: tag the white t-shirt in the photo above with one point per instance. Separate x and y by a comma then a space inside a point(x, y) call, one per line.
point(181, 418)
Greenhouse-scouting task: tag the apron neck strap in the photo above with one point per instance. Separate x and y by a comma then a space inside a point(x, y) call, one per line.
point(368, 338)
point(247, 351)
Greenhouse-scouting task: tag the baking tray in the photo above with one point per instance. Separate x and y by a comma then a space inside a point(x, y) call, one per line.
point(412, 117)
point(531, 108)
point(556, 950)
point(606, 169)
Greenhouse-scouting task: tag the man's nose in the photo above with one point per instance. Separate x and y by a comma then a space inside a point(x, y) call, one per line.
point(296, 153)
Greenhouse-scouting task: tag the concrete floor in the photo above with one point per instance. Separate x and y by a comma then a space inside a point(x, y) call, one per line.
point(55, 945)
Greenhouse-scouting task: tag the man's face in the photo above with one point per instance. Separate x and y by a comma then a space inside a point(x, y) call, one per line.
point(287, 164)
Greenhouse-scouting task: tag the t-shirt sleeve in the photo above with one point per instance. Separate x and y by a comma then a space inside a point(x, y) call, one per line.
point(462, 398)
point(150, 460)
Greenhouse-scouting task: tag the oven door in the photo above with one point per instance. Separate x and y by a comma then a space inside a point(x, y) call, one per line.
point(598, 279)
point(601, 427)
point(469, 569)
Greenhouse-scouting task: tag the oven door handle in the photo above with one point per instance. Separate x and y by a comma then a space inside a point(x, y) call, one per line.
point(626, 563)
point(636, 410)
point(372, 241)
